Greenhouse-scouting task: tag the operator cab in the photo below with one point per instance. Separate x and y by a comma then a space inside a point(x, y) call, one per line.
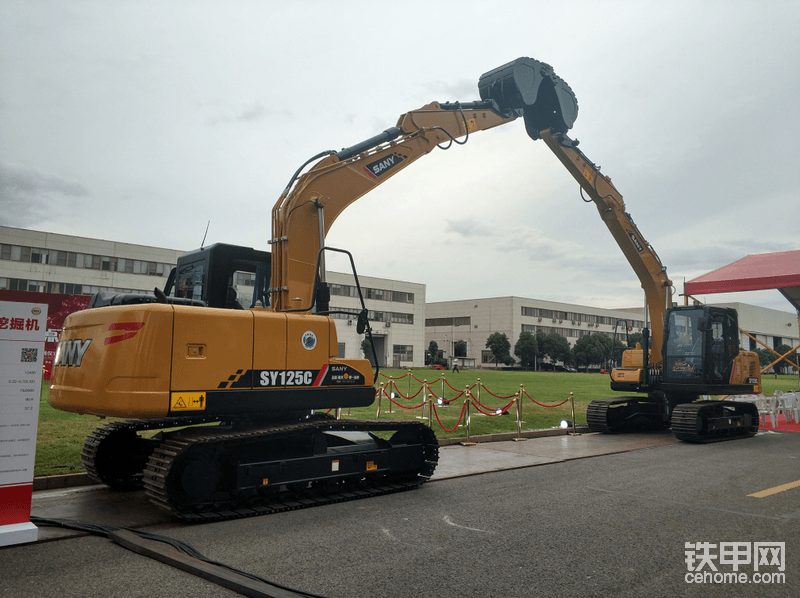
point(701, 344)
point(226, 276)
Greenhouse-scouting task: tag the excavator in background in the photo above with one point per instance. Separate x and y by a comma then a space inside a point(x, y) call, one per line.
point(238, 392)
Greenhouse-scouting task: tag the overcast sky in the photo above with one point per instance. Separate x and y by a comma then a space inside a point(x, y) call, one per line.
point(140, 121)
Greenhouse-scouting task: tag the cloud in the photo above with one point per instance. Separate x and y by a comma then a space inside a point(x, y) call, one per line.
point(26, 194)
point(248, 114)
point(468, 227)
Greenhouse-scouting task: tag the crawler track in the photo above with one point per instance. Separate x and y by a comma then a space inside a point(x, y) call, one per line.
point(714, 421)
point(214, 473)
point(623, 414)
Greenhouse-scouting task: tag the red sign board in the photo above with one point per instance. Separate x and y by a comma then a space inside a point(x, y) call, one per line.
point(58, 308)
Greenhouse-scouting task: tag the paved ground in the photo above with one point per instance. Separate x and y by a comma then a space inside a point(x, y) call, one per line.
point(592, 521)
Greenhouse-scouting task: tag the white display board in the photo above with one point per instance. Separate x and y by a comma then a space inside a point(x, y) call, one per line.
point(23, 327)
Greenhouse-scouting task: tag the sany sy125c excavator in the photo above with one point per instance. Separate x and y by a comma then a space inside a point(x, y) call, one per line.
point(238, 393)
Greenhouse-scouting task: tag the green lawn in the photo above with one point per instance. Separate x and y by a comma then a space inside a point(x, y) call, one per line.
point(61, 434)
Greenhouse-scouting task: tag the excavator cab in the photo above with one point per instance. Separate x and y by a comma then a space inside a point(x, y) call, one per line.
point(701, 352)
point(218, 276)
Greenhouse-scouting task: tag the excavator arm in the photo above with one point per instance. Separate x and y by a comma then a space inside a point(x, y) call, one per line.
point(640, 254)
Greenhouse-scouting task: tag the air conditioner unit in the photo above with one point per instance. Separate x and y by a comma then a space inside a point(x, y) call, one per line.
point(540, 319)
point(388, 324)
point(349, 322)
point(560, 321)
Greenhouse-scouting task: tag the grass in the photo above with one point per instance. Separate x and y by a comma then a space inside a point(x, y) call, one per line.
point(61, 433)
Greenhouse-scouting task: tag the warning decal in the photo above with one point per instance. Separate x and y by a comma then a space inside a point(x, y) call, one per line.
point(187, 401)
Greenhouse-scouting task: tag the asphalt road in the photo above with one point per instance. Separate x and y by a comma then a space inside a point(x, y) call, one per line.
point(612, 525)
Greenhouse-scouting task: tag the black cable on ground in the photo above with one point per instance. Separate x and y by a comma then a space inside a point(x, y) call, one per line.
point(182, 556)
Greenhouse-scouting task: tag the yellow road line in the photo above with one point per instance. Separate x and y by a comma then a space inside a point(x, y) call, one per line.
point(775, 490)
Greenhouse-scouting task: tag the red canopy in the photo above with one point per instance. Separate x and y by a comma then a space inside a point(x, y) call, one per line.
point(754, 273)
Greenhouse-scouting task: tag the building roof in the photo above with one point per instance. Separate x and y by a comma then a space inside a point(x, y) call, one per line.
point(754, 273)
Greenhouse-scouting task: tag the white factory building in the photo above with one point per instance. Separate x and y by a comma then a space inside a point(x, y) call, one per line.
point(403, 323)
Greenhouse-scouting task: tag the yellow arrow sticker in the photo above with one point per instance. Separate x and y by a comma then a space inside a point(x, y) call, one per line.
point(188, 401)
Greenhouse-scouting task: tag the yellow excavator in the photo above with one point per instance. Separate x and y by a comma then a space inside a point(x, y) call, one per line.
point(238, 391)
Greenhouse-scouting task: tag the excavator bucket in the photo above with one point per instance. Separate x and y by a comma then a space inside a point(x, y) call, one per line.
point(531, 88)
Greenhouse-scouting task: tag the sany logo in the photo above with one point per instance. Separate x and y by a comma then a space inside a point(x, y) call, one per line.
point(71, 352)
point(379, 167)
point(129, 330)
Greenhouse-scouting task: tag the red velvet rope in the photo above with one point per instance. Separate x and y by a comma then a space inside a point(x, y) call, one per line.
point(414, 396)
point(542, 404)
point(489, 410)
point(496, 396)
point(403, 406)
point(394, 377)
point(460, 417)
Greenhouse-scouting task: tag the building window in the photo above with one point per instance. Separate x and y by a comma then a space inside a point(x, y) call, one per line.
point(404, 352)
point(487, 357)
point(340, 353)
point(458, 321)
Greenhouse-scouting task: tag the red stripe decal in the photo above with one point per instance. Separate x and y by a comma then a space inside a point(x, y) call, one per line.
point(323, 370)
point(131, 327)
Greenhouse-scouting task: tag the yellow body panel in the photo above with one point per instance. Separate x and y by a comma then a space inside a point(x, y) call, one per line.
point(746, 369)
point(222, 337)
point(124, 370)
point(269, 352)
point(153, 360)
point(626, 375)
point(633, 358)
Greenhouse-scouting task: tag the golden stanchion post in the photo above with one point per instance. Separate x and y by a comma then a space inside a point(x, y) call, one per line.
point(442, 395)
point(380, 394)
point(572, 403)
point(430, 412)
point(468, 442)
point(519, 437)
point(424, 398)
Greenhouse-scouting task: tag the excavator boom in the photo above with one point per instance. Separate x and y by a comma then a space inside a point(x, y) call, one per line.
point(312, 201)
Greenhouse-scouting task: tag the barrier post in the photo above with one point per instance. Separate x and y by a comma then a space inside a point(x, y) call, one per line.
point(442, 395)
point(380, 394)
point(572, 404)
point(519, 437)
point(467, 397)
point(430, 411)
point(424, 398)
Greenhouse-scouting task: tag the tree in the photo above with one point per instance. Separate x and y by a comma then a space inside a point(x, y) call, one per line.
point(526, 348)
point(634, 338)
point(590, 350)
point(433, 353)
point(366, 347)
point(556, 347)
point(500, 347)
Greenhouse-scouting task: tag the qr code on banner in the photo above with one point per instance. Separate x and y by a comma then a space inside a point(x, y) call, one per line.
point(30, 355)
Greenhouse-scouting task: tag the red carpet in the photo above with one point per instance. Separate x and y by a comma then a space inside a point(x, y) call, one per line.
point(782, 425)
